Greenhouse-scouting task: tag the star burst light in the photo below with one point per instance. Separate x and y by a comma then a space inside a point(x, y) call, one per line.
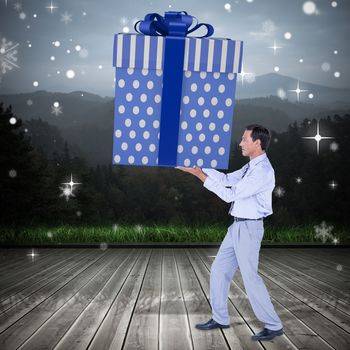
point(298, 90)
point(51, 7)
point(323, 231)
point(66, 17)
point(318, 138)
point(275, 47)
point(33, 255)
point(67, 190)
point(298, 180)
point(243, 74)
point(333, 185)
point(279, 191)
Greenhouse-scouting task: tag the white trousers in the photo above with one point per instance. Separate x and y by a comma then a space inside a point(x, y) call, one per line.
point(240, 248)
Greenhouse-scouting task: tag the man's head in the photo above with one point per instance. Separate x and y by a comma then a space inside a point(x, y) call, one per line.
point(255, 140)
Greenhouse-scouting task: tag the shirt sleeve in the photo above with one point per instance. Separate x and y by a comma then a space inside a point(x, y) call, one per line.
point(224, 179)
point(253, 183)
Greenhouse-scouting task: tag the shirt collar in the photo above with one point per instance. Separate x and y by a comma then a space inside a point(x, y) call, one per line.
point(257, 159)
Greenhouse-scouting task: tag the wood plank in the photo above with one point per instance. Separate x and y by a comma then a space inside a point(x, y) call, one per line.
point(27, 287)
point(54, 328)
point(38, 310)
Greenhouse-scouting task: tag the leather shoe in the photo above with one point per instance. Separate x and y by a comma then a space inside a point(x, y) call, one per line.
point(267, 334)
point(211, 324)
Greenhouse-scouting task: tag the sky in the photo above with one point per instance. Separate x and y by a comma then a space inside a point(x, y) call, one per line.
point(67, 45)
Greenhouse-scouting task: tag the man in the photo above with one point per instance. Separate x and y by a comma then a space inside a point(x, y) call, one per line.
point(251, 197)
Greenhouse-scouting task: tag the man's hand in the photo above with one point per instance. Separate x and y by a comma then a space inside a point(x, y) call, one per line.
point(196, 171)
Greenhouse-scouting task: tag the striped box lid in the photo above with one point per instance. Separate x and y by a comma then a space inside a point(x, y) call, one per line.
point(201, 54)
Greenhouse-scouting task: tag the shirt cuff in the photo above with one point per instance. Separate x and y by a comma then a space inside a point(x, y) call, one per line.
point(208, 183)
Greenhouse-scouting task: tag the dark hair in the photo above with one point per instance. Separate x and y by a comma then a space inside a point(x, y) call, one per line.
point(261, 133)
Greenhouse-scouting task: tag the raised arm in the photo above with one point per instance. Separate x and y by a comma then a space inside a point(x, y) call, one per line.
point(229, 179)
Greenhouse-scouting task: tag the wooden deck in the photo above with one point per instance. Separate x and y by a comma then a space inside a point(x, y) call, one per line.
point(146, 298)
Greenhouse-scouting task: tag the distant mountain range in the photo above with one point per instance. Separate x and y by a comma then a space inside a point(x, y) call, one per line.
point(86, 121)
point(270, 84)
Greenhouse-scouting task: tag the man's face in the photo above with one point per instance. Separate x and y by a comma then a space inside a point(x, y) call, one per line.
point(247, 144)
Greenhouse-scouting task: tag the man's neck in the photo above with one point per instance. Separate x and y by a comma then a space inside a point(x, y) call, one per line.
point(256, 155)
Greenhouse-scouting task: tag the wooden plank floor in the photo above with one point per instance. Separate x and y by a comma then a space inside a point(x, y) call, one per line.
point(151, 298)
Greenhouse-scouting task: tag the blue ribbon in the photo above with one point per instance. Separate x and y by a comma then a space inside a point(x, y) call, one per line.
point(174, 26)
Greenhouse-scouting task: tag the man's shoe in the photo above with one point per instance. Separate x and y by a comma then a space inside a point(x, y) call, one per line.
point(267, 334)
point(211, 324)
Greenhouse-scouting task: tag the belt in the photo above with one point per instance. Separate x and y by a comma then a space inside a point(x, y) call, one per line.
point(243, 219)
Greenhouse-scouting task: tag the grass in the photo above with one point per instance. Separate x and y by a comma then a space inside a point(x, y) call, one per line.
point(156, 233)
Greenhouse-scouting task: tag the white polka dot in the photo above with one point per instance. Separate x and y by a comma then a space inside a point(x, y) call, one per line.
point(146, 135)
point(156, 124)
point(144, 160)
point(132, 134)
point(180, 148)
point(226, 127)
point(127, 122)
point(216, 138)
point(121, 83)
point(128, 97)
point(136, 110)
point(201, 101)
point(213, 163)
point(193, 113)
point(131, 159)
point(189, 137)
point(203, 75)
point(124, 146)
point(206, 113)
point(159, 72)
point(216, 75)
point(187, 73)
point(142, 123)
point(207, 87)
point(220, 114)
point(150, 84)
point(130, 71)
point(212, 126)
point(201, 137)
point(207, 150)
point(194, 87)
point(144, 71)
point(138, 147)
point(187, 162)
point(184, 125)
point(194, 150)
point(136, 84)
point(221, 151)
point(157, 98)
point(221, 88)
point(200, 162)
point(186, 100)
point(152, 147)
point(121, 109)
point(228, 102)
point(214, 101)
point(231, 76)
point(143, 97)
point(199, 126)
point(117, 158)
point(118, 133)
point(149, 110)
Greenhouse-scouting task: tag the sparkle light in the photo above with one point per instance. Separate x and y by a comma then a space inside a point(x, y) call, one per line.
point(67, 190)
point(33, 255)
point(309, 8)
point(318, 138)
point(336, 74)
point(323, 231)
point(333, 147)
point(287, 35)
point(274, 47)
point(298, 180)
point(333, 185)
point(66, 17)
point(243, 74)
point(298, 90)
point(51, 7)
point(279, 191)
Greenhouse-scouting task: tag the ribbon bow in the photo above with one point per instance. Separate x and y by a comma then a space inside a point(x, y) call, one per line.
point(173, 23)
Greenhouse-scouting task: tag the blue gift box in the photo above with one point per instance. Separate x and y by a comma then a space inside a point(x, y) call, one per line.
point(174, 100)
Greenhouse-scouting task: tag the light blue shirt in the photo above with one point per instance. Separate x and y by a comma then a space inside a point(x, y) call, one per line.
point(252, 195)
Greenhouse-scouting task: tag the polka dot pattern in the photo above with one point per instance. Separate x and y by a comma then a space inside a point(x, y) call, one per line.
point(205, 124)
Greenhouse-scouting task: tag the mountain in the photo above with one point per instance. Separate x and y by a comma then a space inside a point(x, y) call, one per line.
point(269, 84)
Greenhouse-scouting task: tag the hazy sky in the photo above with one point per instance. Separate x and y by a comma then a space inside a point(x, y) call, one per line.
point(315, 32)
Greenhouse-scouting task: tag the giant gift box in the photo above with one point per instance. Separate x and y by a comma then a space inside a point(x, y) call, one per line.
point(174, 95)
